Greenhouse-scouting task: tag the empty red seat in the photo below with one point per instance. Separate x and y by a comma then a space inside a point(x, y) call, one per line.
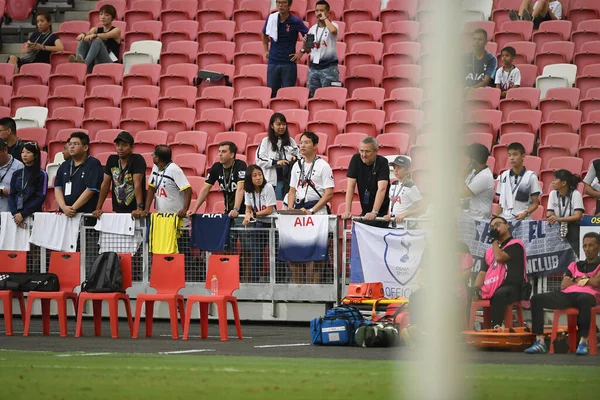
point(31, 95)
point(289, 97)
point(248, 98)
point(479, 137)
point(253, 122)
point(558, 99)
point(141, 74)
point(405, 99)
point(554, 53)
point(528, 74)
point(391, 144)
point(589, 54)
point(139, 119)
point(561, 121)
point(522, 121)
point(66, 96)
point(104, 74)
point(251, 10)
point(215, 97)
point(513, 31)
point(191, 163)
point(364, 76)
point(140, 96)
point(552, 31)
point(401, 76)
point(178, 74)
point(398, 11)
point(587, 31)
point(405, 121)
point(518, 99)
point(400, 31)
point(177, 120)
point(591, 125)
point(177, 97)
point(501, 10)
point(584, 10)
point(103, 96)
point(181, 52)
point(330, 122)
point(327, 98)
point(188, 142)
point(214, 120)
point(178, 10)
point(179, 30)
point(361, 10)
point(566, 140)
point(102, 118)
point(142, 11)
point(142, 30)
point(31, 74)
point(250, 75)
point(483, 98)
point(213, 31)
point(64, 118)
point(363, 31)
point(146, 141)
point(7, 72)
point(69, 30)
point(484, 121)
point(345, 145)
point(219, 52)
point(215, 10)
point(368, 98)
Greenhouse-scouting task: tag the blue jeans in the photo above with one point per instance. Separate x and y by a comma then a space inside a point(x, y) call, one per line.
point(93, 53)
point(318, 78)
point(281, 75)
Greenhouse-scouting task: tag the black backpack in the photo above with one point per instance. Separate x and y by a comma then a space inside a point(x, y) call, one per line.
point(105, 276)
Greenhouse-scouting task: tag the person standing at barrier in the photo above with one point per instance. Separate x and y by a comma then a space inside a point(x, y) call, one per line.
point(8, 132)
point(580, 288)
point(260, 202)
point(8, 166)
point(478, 190)
point(505, 254)
point(518, 188)
point(78, 180)
point(126, 173)
point(323, 68)
point(101, 45)
point(405, 197)
point(565, 206)
point(276, 154)
point(311, 188)
point(28, 186)
point(281, 31)
point(371, 173)
point(168, 186)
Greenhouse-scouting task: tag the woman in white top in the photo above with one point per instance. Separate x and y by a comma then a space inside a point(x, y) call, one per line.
point(260, 202)
point(565, 206)
point(276, 154)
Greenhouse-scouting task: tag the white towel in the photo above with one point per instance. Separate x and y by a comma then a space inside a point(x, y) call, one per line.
point(12, 237)
point(118, 233)
point(56, 231)
point(271, 29)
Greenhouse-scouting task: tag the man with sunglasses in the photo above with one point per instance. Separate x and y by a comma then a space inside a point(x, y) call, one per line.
point(502, 274)
point(8, 132)
point(8, 165)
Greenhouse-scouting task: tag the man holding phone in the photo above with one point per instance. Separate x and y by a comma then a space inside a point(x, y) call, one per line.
point(580, 288)
point(323, 69)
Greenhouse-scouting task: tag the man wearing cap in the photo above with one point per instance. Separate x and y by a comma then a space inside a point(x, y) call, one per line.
point(371, 172)
point(405, 197)
point(125, 172)
point(8, 132)
point(8, 165)
point(478, 190)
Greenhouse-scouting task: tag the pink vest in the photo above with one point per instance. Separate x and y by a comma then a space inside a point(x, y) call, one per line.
point(496, 273)
point(583, 289)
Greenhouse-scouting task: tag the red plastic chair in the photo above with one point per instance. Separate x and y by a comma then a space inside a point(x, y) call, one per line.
point(528, 74)
point(254, 121)
point(227, 271)
point(399, 31)
point(363, 31)
point(177, 97)
point(572, 314)
point(522, 121)
point(519, 99)
point(584, 10)
point(369, 122)
point(289, 97)
point(219, 52)
point(146, 141)
point(370, 98)
point(113, 304)
point(140, 96)
point(141, 74)
point(559, 99)
point(67, 267)
point(345, 145)
point(364, 76)
point(565, 140)
point(554, 53)
point(525, 52)
point(405, 121)
point(214, 31)
point(7, 72)
point(181, 52)
point(103, 96)
point(214, 120)
point(12, 261)
point(142, 11)
point(139, 119)
point(250, 11)
point(64, 118)
point(327, 98)
point(31, 95)
point(31, 74)
point(405, 99)
point(102, 118)
point(178, 10)
point(176, 120)
point(191, 164)
point(587, 31)
point(391, 144)
point(572, 164)
point(177, 75)
point(215, 10)
point(188, 142)
point(513, 31)
point(249, 98)
point(38, 135)
point(104, 74)
point(401, 76)
point(167, 278)
point(561, 121)
point(179, 30)
point(361, 10)
point(330, 122)
point(485, 304)
point(250, 75)
point(66, 96)
point(525, 138)
point(552, 31)
point(483, 98)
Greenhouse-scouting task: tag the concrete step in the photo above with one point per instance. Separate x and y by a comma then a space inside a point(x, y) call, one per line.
point(84, 5)
point(11, 48)
point(77, 15)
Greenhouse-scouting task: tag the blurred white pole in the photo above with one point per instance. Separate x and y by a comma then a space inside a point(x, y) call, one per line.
point(436, 372)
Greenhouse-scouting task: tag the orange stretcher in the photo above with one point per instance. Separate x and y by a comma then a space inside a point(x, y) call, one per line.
point(375, 305)
point(503, 339)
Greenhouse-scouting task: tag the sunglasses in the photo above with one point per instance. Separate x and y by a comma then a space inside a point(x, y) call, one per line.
point(34, 144)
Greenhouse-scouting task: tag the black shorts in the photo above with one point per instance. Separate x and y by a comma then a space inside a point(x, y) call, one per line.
point(539, 19)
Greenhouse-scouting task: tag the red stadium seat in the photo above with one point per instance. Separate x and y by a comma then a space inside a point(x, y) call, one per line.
point(177, 120)
point(64, 118)
point(558, 99)
point(525, 52)
point(219, 52)
point(513, 31)
point(589, 54)
point(361, 10)
point(250, 75)
point(179, 30)
point(405, 121)
point(363, 31)
point(5, 94)
point(66, 96)
point(518, 99)
point(253, 122)
point(330, 122)
point(399, 31)
point(31, 74)
point(139, 119)
point(499, 151)
point(587, 154)
point(403, 99)
point(191, 164)
point(212, 150)
point(182, 52)
point(327, 98)
point(7, 72)
point(67, 74)
point(591, 125)
point(214, 31)
point(250, 97)
point(369, 122)
point(369, 98)
point(552, 31)
point(364, 76)
point(487, 98)
point(398, 11)
point(289, 97)
point(141, 74)
point(528, 74)
point(103, 96)
point(587, 31)
point(401, 76)
point(501, 10)
point(481, 138)
point(146, 141)
point(176, 97)
point(142, 30)
point(250, 11)
point(188, 142)
point(215, 97)
point(572, 164)
point(38, 135)
point(69, 30)
point(584, 10)
point(522, 121)
point(566, 140)
point(215, 10)
point(140, 96)
point(484, 121)
point(104, 74)
point(145, 10)
point(178, 10)
point(31, 95)
point(554, 53)
point(214, 120)
point(345, 145)
point(561, 121)
point(177, 75)
point(391, 144)
point(12, 261)
point(102, 118)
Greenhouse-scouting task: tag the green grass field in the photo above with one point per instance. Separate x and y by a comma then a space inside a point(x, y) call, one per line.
point(31, 375)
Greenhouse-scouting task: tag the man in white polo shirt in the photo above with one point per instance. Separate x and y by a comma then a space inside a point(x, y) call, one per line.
point(168, 185)
point(478, 191)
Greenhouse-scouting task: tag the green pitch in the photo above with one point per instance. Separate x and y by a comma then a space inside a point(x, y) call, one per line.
point(31, 375)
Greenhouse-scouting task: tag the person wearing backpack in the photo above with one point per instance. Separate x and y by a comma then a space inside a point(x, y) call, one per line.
point(580, 288)
point(502, 276)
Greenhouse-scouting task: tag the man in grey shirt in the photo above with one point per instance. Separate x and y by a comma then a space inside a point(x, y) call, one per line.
point(8, 165)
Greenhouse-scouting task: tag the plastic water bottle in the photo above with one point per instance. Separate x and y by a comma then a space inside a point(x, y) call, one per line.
point(214, 286)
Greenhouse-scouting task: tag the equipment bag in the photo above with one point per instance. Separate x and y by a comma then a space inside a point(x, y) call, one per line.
point(379, 334)
point(337, 327)
point(105, 276)
point(28, 282)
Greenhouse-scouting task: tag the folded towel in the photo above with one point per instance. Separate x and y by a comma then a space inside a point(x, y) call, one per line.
point(12, 237)
point(56, 231)
point(118, 224)
point(271, 29)
point(119, 233)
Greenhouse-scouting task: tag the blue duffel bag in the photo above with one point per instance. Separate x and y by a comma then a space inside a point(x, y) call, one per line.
point(337, 327)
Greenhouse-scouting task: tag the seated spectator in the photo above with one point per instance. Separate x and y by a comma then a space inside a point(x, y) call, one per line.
point(480, 64)
point(40, 44)
point(168, 185)
point(28, 186)
point(260, 201)
point(101, 45)
point(506, 258)
point(371, 173)
point(538, 12)
point(580, 288)
point(276, 154)
point(8, 166)
point(478, 191)
point(518, 188)
point(126, 173)
point(565, 206)
point(508, 76)
point(8, 132)
point(78, 180)
point(405, 196)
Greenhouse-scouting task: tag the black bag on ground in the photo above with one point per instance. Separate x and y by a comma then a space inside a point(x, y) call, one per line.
point(212, 78)
point(29, 282)
point(105, 276)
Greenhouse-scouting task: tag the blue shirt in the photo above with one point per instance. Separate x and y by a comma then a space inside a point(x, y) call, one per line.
point(287, 36)
point(88, 175)
point(6, 173)
point(32, 189)
point(478, 69)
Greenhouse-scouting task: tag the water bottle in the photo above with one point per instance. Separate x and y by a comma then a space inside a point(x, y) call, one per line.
point(214, 286)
